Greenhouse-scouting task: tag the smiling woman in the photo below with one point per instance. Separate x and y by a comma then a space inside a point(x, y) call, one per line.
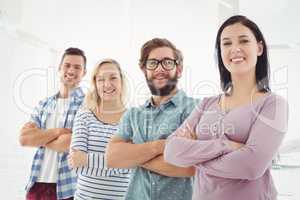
point(240, 49)
point(252, 115)
point(94, 125)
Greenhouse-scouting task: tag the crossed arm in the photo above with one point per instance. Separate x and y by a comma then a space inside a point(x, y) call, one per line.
point(252, 158)
point(149, 155)
point(57, 139)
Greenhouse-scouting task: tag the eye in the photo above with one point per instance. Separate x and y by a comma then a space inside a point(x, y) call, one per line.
point(169, 62)
point(67, 65)
point(114, 78)
point(151, 63)
point(244, 41)
point(226, 43)
point(99, 79)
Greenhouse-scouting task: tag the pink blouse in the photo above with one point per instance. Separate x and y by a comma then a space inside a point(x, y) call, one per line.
point(223, 173)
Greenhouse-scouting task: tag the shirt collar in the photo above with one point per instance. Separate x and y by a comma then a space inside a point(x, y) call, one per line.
point(75, 93)
point(175, 100)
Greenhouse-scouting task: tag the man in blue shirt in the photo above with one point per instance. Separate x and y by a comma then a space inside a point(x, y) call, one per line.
point(49, 130)
point(140, 141)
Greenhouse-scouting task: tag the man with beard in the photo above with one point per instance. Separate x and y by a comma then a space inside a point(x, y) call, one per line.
point(140, 141)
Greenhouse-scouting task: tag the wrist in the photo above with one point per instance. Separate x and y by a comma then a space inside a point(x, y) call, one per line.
point(52, 132)
point(159, 146)
point(235, 145)
point(85, 159)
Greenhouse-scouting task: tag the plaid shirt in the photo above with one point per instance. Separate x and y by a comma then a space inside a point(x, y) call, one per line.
point(66, 177)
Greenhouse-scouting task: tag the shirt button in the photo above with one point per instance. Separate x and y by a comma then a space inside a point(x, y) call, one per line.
point(215, 128)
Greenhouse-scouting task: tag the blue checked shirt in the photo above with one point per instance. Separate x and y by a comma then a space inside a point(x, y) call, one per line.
point(66, 177)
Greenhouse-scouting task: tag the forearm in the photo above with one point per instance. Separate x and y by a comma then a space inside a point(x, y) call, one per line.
point(96, 165)
point(35, 137)
point(184, 152)
point(159, 166)
point(128, 155)
point(60, 144)
point(252, 160)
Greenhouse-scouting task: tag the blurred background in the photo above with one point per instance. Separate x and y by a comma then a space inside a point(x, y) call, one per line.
point(34, 33)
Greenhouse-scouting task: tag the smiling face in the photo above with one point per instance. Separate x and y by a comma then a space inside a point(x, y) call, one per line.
point(71, 70)
point(108, 82)
point(160, 81)
point(239, 50)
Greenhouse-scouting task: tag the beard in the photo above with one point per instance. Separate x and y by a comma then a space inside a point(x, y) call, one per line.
point(165, 90)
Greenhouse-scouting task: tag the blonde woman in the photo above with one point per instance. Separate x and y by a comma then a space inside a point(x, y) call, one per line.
point(94, 125)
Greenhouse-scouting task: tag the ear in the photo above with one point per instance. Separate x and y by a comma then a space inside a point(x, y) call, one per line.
point(179, 71)
point(143, 69)
point(260, 48)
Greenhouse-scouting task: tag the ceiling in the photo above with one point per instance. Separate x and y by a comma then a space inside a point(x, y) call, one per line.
point(111, 27)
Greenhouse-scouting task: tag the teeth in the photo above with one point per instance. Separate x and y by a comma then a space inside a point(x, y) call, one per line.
point(109, 92)
point(160, 77)
point(237, 59)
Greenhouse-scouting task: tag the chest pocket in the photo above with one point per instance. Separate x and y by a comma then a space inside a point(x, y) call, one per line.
point(155, 125)
point(166, 126)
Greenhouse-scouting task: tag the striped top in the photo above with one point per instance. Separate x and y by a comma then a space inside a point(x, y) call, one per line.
point(96, 180)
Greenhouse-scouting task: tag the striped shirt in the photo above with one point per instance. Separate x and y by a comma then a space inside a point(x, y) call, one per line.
point(66, 178)
point(96, 180)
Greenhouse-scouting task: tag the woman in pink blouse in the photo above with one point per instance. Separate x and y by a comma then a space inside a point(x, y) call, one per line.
point(246, 113)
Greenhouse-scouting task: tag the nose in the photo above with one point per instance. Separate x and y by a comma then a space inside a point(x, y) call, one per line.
point(71, 70)
point(159, 67)
point(107, 83)
point(236, 49)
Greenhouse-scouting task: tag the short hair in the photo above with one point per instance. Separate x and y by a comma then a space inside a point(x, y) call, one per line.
point(157, 43)
point(92, 99)
point(76, 52)
point(262, 69)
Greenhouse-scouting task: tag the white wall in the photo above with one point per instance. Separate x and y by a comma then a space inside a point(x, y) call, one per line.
point(36, 32)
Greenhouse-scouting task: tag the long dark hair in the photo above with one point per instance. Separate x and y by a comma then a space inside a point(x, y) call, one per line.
point(262, 69)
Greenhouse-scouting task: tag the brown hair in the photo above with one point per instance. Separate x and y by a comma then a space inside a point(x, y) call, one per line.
point(75, 52)
point(157, 43)
point(262, 68)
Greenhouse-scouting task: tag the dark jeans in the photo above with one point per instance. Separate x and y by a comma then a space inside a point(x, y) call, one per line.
point(43, 191)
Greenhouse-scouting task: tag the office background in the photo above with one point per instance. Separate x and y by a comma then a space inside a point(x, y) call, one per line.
point(33, 35)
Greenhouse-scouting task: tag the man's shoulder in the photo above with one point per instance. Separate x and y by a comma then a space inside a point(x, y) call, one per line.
point(133, 110)
point(192, 101)
point(183, 100)
point(46, 100)
point(188, 102)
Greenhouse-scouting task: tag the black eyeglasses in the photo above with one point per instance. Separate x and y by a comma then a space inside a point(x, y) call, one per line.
point(166, 63)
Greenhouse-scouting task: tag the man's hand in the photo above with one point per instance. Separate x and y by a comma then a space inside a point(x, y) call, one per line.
point(33, 136)
point(59, 131)
point(159, 145)
point(77, 158)
point(29, 125)
point(235, 145)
